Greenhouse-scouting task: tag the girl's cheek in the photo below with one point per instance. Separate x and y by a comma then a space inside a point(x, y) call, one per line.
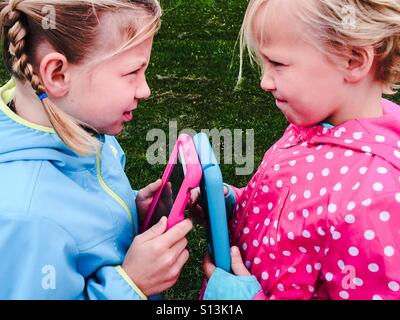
point(286, 82)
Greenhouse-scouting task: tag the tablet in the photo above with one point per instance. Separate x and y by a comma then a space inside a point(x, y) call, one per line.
point(213, 203)
point(182, 173)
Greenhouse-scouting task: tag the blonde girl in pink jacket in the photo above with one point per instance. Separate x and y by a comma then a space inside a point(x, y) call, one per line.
point(321, 217)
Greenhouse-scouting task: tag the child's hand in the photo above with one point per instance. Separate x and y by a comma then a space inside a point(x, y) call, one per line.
point(237, 265)
point(155, 259)
point(144, 199)
point(195, 209)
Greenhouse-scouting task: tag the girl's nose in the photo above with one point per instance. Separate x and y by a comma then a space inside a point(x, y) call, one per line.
point(267, 83)
point(143, 92)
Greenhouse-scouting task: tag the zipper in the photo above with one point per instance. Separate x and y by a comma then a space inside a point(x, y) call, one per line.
point(115, 196)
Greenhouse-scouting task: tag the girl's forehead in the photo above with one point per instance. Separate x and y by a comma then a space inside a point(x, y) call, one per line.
point(275, 22)
point(137, 56)
point(115, 30)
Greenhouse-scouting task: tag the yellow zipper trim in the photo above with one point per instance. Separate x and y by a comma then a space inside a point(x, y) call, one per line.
point(130, 282)
point(112, 193)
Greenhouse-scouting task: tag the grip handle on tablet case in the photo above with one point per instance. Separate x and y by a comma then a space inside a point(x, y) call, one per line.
point(212, 190)
point(191, 180)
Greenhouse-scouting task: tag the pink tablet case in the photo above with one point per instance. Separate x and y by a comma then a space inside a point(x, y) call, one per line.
point(192, 180)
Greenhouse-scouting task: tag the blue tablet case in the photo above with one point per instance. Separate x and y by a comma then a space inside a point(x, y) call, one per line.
point(212, 192)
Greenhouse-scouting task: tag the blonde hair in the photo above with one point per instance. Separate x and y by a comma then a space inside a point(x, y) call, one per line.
point(340, 25)
point(75, 35)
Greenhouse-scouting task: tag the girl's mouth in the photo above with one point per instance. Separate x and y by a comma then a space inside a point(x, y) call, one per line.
point(127, 115)
point(279, 102)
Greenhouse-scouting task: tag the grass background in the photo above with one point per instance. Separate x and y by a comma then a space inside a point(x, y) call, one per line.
point(192, 76)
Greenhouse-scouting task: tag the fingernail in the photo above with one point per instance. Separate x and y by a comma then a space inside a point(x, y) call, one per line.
point(234, 251)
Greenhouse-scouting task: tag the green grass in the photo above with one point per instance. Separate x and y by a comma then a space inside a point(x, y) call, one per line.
point(192, 76)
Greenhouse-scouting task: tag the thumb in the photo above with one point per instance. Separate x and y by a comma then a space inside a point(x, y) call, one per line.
point(208, 266)
point(155, 231)
point(238, 266)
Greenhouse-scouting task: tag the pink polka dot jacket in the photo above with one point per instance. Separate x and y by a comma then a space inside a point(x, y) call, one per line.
point(320, 219)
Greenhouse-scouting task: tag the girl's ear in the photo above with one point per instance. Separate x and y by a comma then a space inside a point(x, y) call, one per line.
point(55, 74)
point(360, 64)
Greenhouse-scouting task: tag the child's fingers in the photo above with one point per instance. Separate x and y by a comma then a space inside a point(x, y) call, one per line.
point(177, 248)
point(151, 189)
point(208, 266)
point(238, 266)
point(196, 211)
point(194, 196)
point(167, 192)
point(176, 233)
point(155, 231)
point(180, 262)
point(175, 271)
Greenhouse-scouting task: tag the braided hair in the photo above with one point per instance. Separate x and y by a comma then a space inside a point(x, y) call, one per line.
point(21, 29)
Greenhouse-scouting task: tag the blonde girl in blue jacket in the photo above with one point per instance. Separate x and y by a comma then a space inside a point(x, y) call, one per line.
point(68, 215)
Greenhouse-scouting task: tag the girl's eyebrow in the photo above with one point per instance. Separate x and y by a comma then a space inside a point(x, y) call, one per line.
point(138, 64)
point(143, 64)
point(276, 56)
point(266, 56)
point(261, 50)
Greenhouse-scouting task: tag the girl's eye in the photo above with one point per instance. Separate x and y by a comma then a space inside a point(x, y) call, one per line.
point(132, 73)
point(276, 64)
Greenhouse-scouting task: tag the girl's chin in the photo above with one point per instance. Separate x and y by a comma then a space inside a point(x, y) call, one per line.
point(303, 121)
point(290, 119)
point(295, 121)
point(300, 123)
point(112, 131)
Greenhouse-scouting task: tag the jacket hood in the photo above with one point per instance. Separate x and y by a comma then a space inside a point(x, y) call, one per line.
point(23, 140)
point(374, 136)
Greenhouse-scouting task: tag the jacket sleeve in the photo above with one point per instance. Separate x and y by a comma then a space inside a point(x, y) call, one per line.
point(112, 283)
point(223, 285)
point(39, 261)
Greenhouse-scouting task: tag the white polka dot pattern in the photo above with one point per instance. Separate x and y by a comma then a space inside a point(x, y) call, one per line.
point(324, 213)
